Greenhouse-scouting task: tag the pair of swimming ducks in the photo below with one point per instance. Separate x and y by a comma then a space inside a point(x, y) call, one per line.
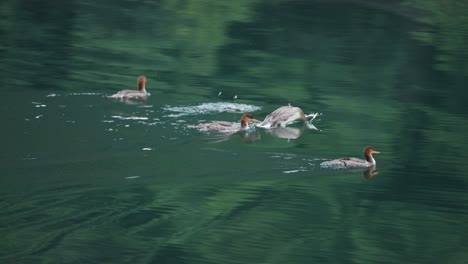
point(280, 117)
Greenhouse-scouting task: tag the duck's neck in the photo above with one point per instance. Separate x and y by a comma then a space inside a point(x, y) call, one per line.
point(244, 124)
point(370, 159)
point(141, 87)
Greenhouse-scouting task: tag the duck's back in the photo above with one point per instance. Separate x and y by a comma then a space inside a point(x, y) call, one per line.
point(283, 116)
point(222, 126)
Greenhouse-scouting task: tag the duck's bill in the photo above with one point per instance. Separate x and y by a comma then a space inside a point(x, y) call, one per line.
point(255, 120)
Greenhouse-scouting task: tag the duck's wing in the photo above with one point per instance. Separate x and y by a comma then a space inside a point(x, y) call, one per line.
point(353, 162)
point(222, 126)
point(345, 162)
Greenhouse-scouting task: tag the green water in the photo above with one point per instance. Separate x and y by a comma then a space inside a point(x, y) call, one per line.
point(86, 179)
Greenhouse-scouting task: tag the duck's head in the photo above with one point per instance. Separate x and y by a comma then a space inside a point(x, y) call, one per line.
point(246, 118)
point(141, 82)
point(368, 151)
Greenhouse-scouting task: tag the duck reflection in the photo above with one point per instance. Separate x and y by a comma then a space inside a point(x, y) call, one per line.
point(286, 132)
point(252, 135)
point(367, 173)
point(249, 136)
point(289, 132)
point(132, 101)
point(370, 173)
point(246, 136)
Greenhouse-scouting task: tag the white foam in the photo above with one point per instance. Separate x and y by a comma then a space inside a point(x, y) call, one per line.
point(210, 108)
point(83, 94)
point(130, 117)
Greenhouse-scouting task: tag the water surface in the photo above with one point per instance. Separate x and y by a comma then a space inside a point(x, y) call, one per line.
point(86, 179)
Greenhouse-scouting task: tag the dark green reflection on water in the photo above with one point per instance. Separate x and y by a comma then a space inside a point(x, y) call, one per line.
point(248, 220)
point(274, 220)
point(78, 188)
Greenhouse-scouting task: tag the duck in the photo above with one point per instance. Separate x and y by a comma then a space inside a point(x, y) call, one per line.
point(354, 162)
point(284, 116)
point(128, 94)
point(227, 127)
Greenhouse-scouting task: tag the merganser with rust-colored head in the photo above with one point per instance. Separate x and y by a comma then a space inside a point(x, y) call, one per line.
point(354, 162)
point(284, 116)
point(227, 127)
point(141, 93)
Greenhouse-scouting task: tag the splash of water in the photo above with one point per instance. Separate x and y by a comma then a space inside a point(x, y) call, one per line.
point(210, 108)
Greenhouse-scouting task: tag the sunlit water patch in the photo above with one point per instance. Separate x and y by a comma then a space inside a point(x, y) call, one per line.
point(301, 169)
point(210, 108)
point(132, 177)
point(39, 105)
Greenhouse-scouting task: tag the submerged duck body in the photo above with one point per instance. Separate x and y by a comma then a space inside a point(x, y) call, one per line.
point(284, 116)
point(128, 94)
point(354, 162)
point(225, 126)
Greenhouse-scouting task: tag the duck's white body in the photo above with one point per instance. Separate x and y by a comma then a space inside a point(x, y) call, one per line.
point(285, 115)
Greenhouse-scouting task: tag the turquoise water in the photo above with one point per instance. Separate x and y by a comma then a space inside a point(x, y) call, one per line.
point(86, 179)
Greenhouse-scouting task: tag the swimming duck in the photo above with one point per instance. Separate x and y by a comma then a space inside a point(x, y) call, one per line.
point(227, 127)
point(354, 162)
point(141, 93)
point(284, 116)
